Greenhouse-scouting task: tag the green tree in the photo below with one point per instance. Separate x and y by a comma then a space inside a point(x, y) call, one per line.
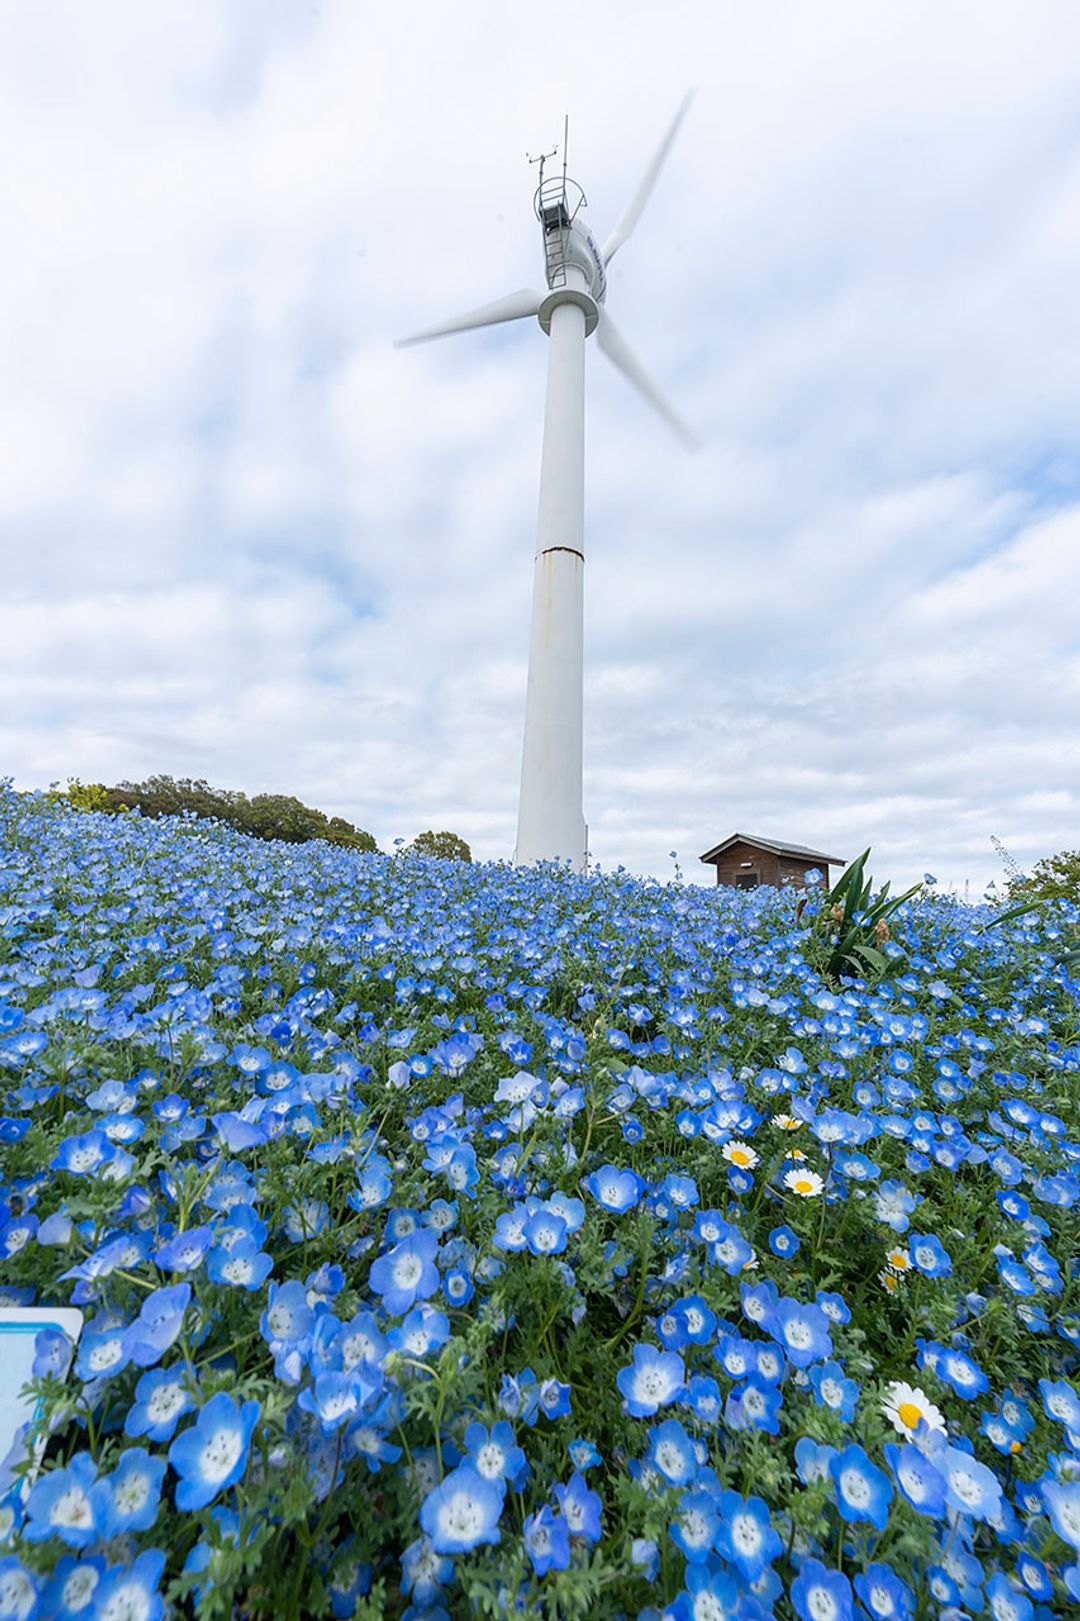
point(85, 796)
point(1054, 878)
point(447, 846)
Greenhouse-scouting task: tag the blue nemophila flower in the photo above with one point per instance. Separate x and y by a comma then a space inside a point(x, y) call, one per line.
point(420, 1332)
point(730, 1250)
point(56, 1230)
point(759, 1302)
point(1061, 1402)
point(694, 1531)
point(965, 1376)
point(696, 1320)
point(999, 1433)
point(1013, 1273)
point(672, 1453)
point(16, 1234)
point(186, 1252)
point(820, 1594)
point(920, 1481)
point(863, 1491)
point(929, 1255)
point(67, 1503)
point(754, 1405)
point(519, 1397)
point(547, 1541)
point(102, 1353)
point(510, 1227)
point(583, 1455)
point(162, 1397)
point(134, 1493)
point(494, 1453)
point(737, 1356)
point(970, 1487)
point(812, 1460)
point(423, 1573)
point(305, 1220)
point(1005, 1601)
point(130, 1593)
point(883, 1595)
point(771, 1363)
point(213, 1453)
point(1062, 1499)
point(69, 1592)
point(241, 1265)
point(709, 1592)
point(746, 1536)
point(158, 1325)
point(335, 1399)
point(545, 1232)
point(19, 1591)
point(651, 1381)
point(834, 1306)
point(368, 1439)
point(803, 1331)
point(581, 1508)
point(614, 1189)
point(286, 1326)
point(458, 1286)
point(84, 1155)
point(53, 1353)
point(554, 1398)
point(463, 1511)
point(783, 1241)
point(1034, 1575)
point(407, 1273)
point(373, 1184)
point(833, 1389)
point(645, 1557)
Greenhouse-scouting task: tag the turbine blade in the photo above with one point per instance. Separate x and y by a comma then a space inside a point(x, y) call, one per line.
point(621, 356)
point(514, 307)
point(634, 209)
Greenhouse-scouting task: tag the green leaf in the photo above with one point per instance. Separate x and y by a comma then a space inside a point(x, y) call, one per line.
point(1007, 917)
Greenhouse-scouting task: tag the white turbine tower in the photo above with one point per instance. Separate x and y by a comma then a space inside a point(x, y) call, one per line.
point(551, 826)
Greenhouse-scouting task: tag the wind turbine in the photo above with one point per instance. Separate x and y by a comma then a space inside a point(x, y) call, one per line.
point(551, 825)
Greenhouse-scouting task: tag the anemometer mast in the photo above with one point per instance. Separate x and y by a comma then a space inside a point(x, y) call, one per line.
point(551, 826)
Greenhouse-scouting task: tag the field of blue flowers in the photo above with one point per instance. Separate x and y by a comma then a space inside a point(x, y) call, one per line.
point(457, 1240)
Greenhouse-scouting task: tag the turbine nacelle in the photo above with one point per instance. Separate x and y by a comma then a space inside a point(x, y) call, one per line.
point(569, 245)
point(575, 269)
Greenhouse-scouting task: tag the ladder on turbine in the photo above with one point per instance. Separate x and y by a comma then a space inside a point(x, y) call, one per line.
point(556, 202)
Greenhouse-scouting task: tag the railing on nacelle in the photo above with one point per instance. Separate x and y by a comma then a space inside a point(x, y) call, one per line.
point(555, 204)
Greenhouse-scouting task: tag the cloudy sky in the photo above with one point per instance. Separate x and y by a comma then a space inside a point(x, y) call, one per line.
point(245, 538)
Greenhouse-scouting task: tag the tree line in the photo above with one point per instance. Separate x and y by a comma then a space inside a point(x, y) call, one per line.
point(263, 816)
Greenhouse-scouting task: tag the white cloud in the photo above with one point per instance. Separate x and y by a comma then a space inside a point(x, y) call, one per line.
point(245, 538)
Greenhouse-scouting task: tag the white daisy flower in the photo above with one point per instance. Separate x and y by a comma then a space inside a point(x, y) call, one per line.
point(807, 1184)
point(905, 1405)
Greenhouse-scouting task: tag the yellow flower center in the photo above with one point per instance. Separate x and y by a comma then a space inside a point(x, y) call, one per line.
point(1015, 1447)
point(909, 1414)
point(803, 1185)
point(739, 1156)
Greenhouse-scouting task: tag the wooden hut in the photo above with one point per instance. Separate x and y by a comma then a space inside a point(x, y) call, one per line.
point(744, 862)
